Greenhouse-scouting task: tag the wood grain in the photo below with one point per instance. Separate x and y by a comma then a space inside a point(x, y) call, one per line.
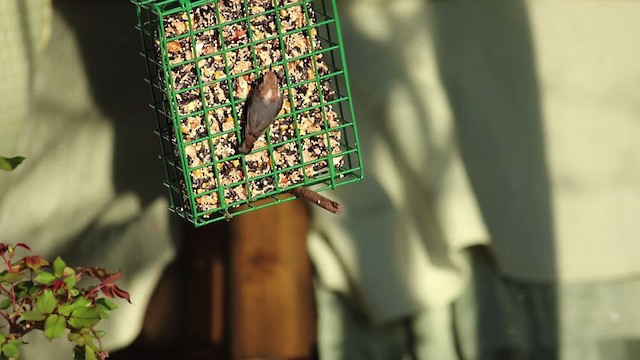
point(272, 294)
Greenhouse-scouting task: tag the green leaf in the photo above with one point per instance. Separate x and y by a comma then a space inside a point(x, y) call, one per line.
point(33, 290)
point(10, 351)
point(54, 326)
point(46, 302)
point(9, 164)
point(85, 317)
point(89, 353)
point(21, 294)
point(99, 334)
point(68, 272)
point(77, 338)
point(12, 277)
point(66, 309)
point(106, 304)
point(88, 341)
point(32, 315)
point(70, 281)
point(5, 304)
point(24, 288)
point(2, 338)
point(43, 277)
point(58, 266)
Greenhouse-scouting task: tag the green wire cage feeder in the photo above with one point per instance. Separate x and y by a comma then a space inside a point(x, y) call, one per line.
point(203, 56)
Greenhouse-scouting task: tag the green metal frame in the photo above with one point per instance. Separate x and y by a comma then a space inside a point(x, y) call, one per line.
point(151, 17)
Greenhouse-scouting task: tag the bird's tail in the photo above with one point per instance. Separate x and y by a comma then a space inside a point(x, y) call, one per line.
point(247, 144)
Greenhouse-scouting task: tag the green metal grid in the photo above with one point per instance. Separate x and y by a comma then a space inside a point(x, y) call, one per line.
point(321, 19)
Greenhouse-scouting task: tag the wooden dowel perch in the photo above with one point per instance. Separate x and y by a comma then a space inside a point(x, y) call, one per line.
point(316, 199)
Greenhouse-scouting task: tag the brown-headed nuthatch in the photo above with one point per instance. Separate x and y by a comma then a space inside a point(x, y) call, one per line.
point(263, 106)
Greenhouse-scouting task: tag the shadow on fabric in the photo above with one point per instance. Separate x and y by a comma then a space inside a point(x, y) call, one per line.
point(487, 64)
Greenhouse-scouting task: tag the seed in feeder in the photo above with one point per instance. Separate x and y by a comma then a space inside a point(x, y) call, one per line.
point(216, 94)
point(185, 76)
point(193, 128)
point(225, 145)
point(189, 102)
point(300, 69)
point(219, 89)
point(232, 172)
point(259, 6)
point(310, 122)
point(217, 118)
point(297, 44)
point(235, 34)
point(282, 130)
point(208, 202)
point(261, 186)
point(230, 10)
point(235, 194)
point(263, 26)
point(242, 85)
point(207, 43)
point(179, 50)
point(286, 156)
point(289, 178)
point(288, 2)
point(305, 95)
point(332, 117)
point(174, 46)
point(203, 179)
point(204, 17)
point(175, 26)
point(328, 94)
point(293, 17)
point(239, 60)
point(258, 163)
point(268, 52)
point(198, 153)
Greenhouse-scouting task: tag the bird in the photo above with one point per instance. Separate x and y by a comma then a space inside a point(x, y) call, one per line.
point(263, 106)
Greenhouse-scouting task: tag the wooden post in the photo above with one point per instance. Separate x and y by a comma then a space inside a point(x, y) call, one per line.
point(239, 290)
point(206, 286)
point(272, 299)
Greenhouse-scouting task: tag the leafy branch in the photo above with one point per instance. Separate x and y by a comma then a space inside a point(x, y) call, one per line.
point(38, 295)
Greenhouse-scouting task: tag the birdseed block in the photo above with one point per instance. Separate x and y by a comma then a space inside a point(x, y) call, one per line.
point(204, 58)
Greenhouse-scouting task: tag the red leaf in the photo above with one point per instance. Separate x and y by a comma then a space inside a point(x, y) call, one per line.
point(23, 245)
point(111, 290)
point(58, 284)
point(111, 279)
point(16, 267)
point(35, 262)
point(97, 272)
point(121, 293)
point(108, 292)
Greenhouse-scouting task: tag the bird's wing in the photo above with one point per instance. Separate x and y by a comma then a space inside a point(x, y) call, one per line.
point(260, 116)
point(280, 102)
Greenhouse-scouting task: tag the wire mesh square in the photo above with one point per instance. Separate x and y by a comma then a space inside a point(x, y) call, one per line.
point(203, 57)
